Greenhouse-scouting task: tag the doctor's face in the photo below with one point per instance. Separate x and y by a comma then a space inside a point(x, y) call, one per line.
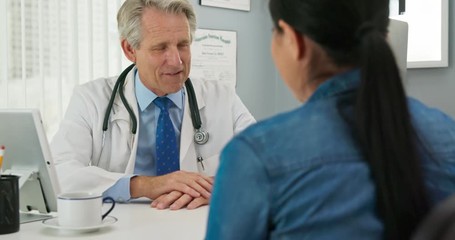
point(163, 57)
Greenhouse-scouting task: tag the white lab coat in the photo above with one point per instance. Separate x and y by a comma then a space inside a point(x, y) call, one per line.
point(84, 164)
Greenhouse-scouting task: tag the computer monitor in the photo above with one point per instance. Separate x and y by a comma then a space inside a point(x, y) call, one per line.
point(27, 155)
point(398, 39)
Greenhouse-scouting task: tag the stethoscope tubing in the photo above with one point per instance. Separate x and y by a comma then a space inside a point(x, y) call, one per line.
point(118, 87)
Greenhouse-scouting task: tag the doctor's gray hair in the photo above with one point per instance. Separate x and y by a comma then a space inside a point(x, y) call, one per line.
point(130, 14)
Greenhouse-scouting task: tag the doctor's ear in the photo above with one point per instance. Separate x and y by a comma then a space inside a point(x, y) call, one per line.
point(128, 50)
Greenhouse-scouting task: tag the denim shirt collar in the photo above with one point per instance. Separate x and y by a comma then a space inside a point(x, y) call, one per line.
point(337, 84)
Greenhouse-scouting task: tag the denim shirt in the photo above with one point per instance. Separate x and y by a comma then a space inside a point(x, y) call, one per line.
point(301, 175)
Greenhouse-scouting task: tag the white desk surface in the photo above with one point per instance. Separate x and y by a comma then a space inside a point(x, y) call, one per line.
point(135, 221)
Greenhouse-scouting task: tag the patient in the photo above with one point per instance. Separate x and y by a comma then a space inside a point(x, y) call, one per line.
point(358, 160)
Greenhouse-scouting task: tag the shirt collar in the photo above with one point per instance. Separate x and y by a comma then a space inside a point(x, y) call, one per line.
point(145, 97)
point(337, 84)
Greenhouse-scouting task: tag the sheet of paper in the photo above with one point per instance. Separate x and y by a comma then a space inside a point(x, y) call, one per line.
point(214, 56)
point(233, 4)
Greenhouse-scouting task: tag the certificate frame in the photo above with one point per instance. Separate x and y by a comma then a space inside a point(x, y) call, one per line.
point(214, 55)
point(243, 5)
point(428, 42)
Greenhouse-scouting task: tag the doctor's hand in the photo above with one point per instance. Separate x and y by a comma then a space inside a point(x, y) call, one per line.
point(192, 184)
point(176, 200)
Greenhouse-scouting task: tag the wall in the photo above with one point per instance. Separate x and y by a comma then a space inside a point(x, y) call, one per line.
point(436, 86)
point(255, 69)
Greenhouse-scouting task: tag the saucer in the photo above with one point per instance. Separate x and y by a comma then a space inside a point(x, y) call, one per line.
point(53, 223)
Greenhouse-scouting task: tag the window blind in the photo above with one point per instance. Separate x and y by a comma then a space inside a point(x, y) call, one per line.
point(50, 46)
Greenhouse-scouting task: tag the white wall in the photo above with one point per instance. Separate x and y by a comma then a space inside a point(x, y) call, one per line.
point(255, 69)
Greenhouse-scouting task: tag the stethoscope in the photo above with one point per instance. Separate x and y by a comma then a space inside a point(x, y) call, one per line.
point(201, 136)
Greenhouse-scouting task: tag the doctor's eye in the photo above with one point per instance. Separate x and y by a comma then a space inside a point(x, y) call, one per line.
point(160, 47)
point(183, 45)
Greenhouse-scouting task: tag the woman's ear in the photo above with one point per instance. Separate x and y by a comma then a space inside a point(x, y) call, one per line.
point(128, 50)
point(293, 40)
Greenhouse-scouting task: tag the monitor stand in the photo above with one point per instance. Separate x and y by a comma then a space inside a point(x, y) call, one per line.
point(26, 217)
point(33, 205)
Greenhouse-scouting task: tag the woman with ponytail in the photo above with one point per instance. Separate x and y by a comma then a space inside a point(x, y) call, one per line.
point(358, 160)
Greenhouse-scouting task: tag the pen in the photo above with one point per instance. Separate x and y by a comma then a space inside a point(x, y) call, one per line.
point(199, 160)
point(2, 152)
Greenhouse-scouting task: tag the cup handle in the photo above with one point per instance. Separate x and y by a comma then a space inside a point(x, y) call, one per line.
point(108, 199)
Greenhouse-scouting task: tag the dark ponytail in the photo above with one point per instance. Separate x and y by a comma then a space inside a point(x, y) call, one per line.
point(386, 133)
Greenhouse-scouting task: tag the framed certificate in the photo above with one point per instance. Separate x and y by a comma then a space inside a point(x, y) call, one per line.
point(214, 56)
point(243, 5)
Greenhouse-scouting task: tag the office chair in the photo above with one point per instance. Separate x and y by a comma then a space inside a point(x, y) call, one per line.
point(439, 224)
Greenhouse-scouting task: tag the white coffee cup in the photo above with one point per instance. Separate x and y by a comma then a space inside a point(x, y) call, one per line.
point(80, 209)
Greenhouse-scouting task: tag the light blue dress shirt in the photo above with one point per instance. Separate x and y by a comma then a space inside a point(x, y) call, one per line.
point(148, 119)
point(302, 175)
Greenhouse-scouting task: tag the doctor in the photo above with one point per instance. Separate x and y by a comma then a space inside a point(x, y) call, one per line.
point(122, 161)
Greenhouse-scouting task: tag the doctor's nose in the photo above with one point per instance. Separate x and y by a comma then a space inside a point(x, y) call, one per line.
point(173, 57)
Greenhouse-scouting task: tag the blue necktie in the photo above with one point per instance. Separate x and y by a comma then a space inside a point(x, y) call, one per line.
point(167, 152)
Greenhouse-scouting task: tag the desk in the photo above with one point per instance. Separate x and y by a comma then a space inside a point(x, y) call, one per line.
point(135, 221)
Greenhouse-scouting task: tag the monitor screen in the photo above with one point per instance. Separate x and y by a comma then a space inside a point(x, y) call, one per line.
point(27, 155)
point(398, 39)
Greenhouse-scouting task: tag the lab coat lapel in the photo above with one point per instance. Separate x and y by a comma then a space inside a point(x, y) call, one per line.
point(120, 113)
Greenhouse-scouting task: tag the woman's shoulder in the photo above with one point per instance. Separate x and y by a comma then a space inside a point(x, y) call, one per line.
point(275, 125)
point(426, 117)
point(435, 129)
point(309, 129)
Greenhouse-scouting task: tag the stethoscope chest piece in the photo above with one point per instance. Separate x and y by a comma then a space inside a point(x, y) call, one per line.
point(201, 136)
